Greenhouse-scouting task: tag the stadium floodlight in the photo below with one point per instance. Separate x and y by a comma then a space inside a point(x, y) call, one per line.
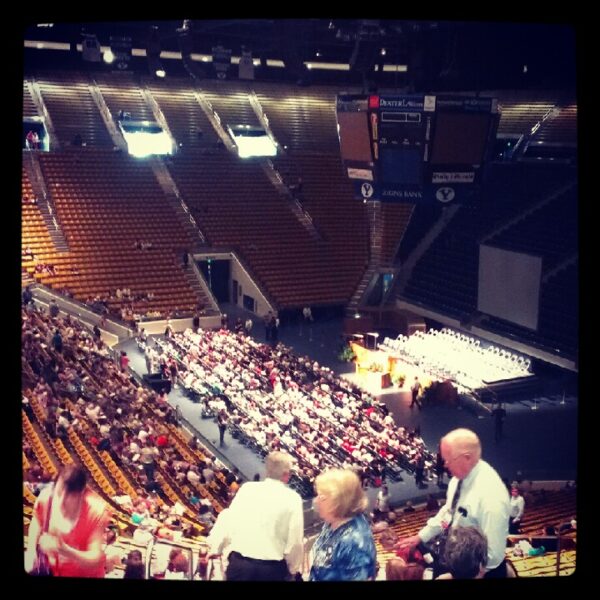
point(108, 57)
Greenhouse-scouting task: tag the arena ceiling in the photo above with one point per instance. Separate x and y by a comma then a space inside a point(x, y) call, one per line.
point(436, 53)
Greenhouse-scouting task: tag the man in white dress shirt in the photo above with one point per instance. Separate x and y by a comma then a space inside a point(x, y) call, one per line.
point(263, 527)
point(482, 500)
point(517, 508)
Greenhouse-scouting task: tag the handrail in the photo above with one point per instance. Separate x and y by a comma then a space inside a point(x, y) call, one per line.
point(559, 537)
point(158, 115)
point(115, 134)
point(92, 316)
point(203, 285)
point(149, 549)
point(38, 100)
point(262, 118)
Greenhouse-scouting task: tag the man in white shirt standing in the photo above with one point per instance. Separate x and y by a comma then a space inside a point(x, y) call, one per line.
point(263, 527)
point(481, 500)
point(382, 503)
point(517, 508)
point(415, 389)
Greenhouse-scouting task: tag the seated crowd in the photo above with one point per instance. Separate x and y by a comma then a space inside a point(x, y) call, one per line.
point(75, 387)
point(72, 385)
point(127, 306)
point(277, 400)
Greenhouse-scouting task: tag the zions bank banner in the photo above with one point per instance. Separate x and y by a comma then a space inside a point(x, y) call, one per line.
point(444, 193)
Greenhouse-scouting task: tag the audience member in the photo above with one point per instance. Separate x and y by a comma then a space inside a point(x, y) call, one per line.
point(75, 527)
point(517, 508)
point(134, 566)
point(263, 527)
point(32, 140)
point(465, 554)
point(397, 569)
point(111, 552)
point(382, 503)
point(432, 503)
point(248, 325)
point(178, 566)
point(415, 389)
point(222, 420)
point(345, 548)
point(476, 497)
point(307, 314)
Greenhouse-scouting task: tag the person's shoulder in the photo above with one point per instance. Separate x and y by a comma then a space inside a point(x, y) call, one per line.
point(489, 471)
point(291, 493)
point(362, 522)
point(356, 536)
point(96, 505)
point(44, 495)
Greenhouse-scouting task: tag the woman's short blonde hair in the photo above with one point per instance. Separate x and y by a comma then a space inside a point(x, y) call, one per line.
point(344, 490)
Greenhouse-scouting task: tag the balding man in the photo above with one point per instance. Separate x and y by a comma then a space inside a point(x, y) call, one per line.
point(263, 527)
point(476, 497)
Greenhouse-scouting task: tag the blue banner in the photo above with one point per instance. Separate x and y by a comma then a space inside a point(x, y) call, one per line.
point(415, 194)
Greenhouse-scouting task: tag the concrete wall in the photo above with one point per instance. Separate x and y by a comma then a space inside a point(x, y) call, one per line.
point(246, 285)
point(158, 327)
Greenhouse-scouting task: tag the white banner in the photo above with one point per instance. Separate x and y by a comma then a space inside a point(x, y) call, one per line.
point(360, 174)
point(453, 177)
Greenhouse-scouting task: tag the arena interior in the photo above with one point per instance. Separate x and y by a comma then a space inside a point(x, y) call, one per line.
point(197, 240)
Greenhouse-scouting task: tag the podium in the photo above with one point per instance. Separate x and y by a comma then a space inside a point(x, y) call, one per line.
point(371, 338)
point(378, 380)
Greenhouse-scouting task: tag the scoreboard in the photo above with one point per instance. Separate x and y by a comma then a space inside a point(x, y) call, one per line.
point(417, 147)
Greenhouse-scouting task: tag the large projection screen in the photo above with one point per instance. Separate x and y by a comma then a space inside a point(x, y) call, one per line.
point(509, 285)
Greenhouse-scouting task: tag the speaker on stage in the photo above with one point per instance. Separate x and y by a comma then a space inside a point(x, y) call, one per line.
point(157, 382)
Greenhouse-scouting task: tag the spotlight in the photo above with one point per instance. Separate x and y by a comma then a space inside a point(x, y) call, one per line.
point(108, 57)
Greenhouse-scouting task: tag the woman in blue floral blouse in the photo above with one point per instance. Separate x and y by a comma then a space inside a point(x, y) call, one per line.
point(345, 549)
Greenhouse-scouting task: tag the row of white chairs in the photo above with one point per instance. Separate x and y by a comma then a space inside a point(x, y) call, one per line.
point(455, 355)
